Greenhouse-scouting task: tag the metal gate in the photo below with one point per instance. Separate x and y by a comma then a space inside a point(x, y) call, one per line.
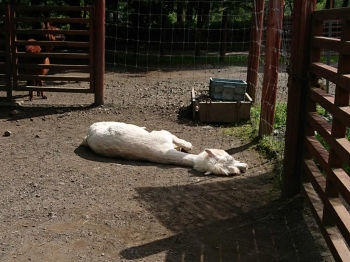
point(326, 158)
point(72, 60)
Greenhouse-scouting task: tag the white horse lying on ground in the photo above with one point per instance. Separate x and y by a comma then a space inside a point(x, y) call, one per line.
point(115, 139)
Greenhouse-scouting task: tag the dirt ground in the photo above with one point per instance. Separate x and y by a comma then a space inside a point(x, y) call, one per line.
point(61, 202)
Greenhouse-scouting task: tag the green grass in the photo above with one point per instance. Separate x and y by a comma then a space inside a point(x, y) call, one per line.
point(333, 59)
point(155, 60)
point(272, 145)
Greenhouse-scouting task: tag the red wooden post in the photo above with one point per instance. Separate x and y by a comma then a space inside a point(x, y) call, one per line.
point(254, 48)
point(99, 51)
point(8, 54)
point(272, 56)
point(297, 93)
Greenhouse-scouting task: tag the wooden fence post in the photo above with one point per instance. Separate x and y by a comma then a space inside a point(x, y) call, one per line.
point(8, 53)
point(99, 48)
point(297, 97)
point(254, 48)
point(272, 57)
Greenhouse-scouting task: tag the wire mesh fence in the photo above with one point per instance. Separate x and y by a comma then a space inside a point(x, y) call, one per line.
point(203, 37)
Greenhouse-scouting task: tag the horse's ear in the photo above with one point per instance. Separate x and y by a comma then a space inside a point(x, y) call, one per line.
point(211, 153)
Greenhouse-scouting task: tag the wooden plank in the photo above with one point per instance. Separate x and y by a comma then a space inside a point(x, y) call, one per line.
point(49, 43)
point(53, 89)
point(346, 48)
point(297, 96)
point(9, 81)
point(53, 78)
point(269, 89)
point(48, 31)
point(322, 98)
point(334, 205)
point(340, 215)
point(332, 14)
point(315, 176)
point(344, 81)
point(82, 68)
point(51, 20)
point(342, 147)
point(317, 151)
point(50, 8)
point(92, 50)
point(328, 43)
point(99, 55)
point(320, 125)
point(254, 47)
point(55, 55)
point(325, 71)
point(342, 114)
point(342, 180)
point(332, 236)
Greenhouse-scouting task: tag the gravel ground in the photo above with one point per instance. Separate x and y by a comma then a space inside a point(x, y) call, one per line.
point(61, 202)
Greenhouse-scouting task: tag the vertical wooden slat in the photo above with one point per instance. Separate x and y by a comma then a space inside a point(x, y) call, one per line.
point(254, 48)
point(8, 53)
point(297, 91)
point(13, 47)
point(272, 56)
point(99, 51)
point(92, 47)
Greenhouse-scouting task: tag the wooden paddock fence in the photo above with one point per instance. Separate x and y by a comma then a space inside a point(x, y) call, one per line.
point(72, 60)
point(326, 181)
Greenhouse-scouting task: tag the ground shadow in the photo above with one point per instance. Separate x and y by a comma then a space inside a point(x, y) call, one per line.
point(242, 148)
point(23, 112)
point(226, 221)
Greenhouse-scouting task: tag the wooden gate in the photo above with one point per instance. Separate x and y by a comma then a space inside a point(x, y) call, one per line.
point(326, 159)
point(72, 60)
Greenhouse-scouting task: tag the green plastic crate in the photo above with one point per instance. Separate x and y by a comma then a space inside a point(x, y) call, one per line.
point(227, 89)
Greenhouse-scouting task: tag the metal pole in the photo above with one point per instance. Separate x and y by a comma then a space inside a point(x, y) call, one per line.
point(99, 51)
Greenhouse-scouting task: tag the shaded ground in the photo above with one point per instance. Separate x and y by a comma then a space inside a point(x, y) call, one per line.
point(61, 202)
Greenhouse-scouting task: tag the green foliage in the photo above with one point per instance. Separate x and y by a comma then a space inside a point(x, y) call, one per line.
point(146, 60)
point(332, 60)
point(272, 145)
point(280, 115)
